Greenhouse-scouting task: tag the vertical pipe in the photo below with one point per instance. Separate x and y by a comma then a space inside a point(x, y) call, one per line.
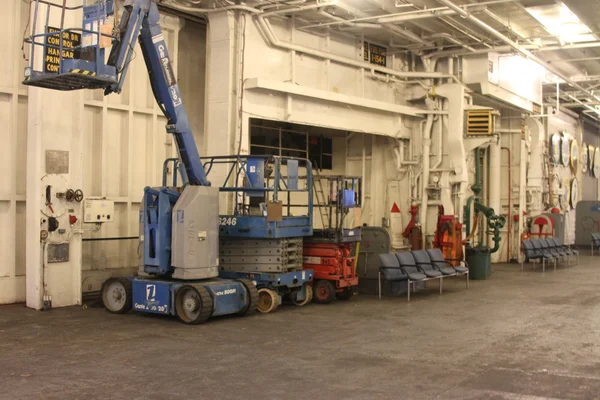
point(364, 170)
point(557, 95)
point(494, 180)
point(426, 133)
point(509, 214)
point(522, 187)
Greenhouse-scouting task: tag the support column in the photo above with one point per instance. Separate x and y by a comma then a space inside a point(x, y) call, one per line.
point(222, 104)
point(54, 159)
point(54, 125)
point(454, 144)
point(522, 194)
point(494, 186)
point(535, 174)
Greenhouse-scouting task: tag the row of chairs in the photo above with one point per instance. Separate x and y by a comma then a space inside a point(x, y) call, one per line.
point(419, 266)
point(595, 242)
point(548, 249)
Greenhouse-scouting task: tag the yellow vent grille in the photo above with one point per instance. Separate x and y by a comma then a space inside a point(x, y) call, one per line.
point(480, 122)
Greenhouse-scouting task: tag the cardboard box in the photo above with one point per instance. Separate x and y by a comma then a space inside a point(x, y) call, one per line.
point(274, 211)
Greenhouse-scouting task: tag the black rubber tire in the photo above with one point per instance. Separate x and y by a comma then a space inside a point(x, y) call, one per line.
point(206, 304)
point(323, 291)
point(252, 295)
point(345, 294)
point(308, 299)
point(128, 295)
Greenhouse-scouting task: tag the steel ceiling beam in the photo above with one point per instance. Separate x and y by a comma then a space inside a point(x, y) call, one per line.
point(404, 15)
point(574, 60)
point(526, 53)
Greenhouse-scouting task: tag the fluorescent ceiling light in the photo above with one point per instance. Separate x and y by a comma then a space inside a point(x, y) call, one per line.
point(562, 22)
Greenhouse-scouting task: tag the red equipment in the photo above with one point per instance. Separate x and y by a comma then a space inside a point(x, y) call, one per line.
point(413, 231)
point(448, 236)
point(334, 266)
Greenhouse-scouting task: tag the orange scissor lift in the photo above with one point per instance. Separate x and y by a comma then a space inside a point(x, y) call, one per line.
point(332, 250)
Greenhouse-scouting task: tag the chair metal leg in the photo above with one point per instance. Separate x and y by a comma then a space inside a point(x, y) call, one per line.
point(441, 283)
point(408, 291)
point(467, 275)
point(379, 278)
point(543, 265)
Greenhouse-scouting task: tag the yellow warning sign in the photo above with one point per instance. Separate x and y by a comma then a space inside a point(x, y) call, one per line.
point(52, 53)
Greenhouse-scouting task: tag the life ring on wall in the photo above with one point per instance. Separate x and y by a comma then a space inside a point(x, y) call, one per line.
point(555, 148)
point(566, 193)
point(584, 158)
point(574, 155)
point(574, 198)
point(565, 150)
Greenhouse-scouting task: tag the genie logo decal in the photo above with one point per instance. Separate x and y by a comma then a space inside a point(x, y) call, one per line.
point(175, 97)
point(165, 63)
point(162, 51)
point(150, 293)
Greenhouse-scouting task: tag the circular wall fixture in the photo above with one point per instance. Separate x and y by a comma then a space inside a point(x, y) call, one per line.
point(596, 167)
point(584, 158)
point(574, 154)
point(555, 148)
point(574, 193)
point(566, 193)
point(565, 150)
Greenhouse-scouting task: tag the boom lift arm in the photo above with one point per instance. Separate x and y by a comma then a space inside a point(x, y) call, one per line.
point(140, 19)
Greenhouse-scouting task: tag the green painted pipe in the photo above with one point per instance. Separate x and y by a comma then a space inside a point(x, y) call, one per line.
point(476, 188)
point(495, 222)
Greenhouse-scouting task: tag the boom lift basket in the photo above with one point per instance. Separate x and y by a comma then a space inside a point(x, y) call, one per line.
point(67, 44)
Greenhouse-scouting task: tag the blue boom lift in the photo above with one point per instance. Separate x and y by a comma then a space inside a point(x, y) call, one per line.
point(180, 234)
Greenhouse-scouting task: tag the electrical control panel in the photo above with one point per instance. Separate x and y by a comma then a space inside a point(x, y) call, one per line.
point(98, 210)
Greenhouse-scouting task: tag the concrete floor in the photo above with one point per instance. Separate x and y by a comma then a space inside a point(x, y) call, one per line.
point(519, 335)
